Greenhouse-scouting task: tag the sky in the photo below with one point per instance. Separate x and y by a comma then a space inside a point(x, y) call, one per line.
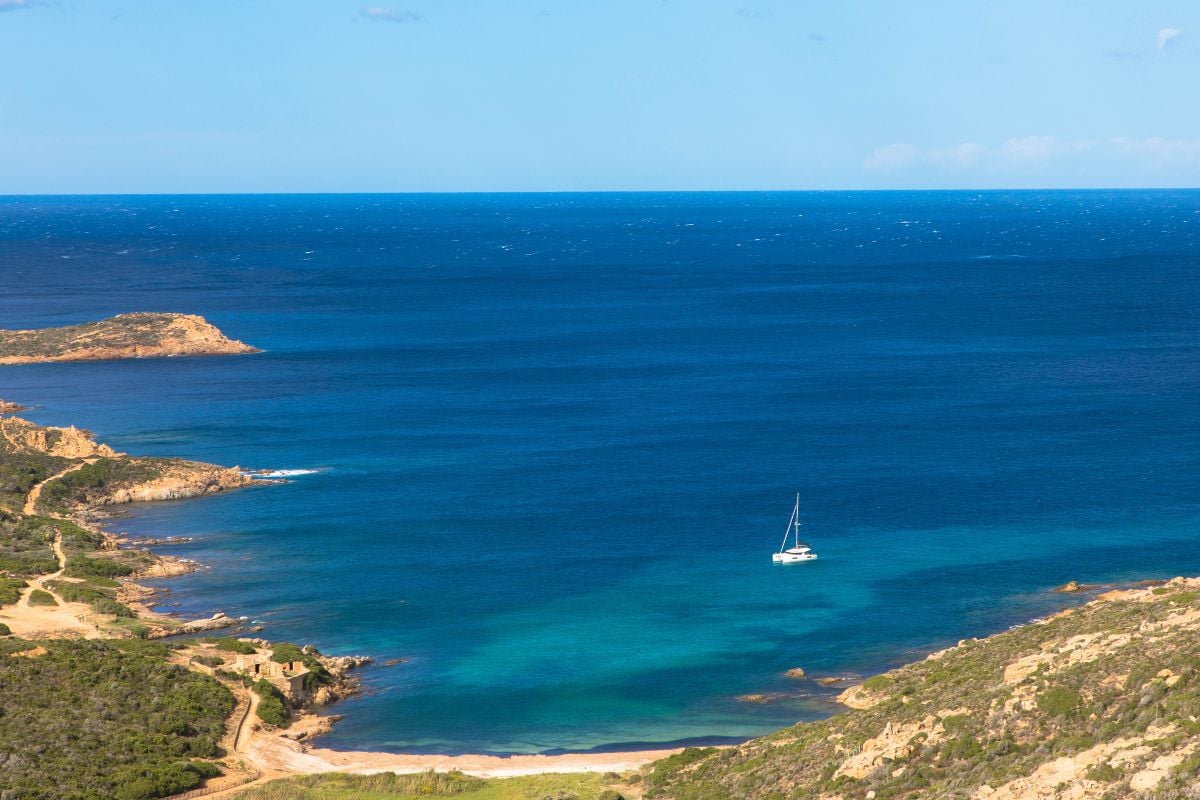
point(183, 96)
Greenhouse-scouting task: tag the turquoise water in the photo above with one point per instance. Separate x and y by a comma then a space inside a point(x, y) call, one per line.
point(558, 436)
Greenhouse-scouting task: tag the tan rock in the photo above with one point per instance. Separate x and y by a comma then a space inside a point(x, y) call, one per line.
point(138, 335)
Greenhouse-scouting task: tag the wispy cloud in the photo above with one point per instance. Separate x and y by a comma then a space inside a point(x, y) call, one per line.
point(1168, 37)
point(380, 14)
point(14, 5)
point(1154, 152)
point(753, 13)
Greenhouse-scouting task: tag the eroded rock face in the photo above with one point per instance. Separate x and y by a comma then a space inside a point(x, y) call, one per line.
point(178, 481)
point(139, 335)
point(62, 442)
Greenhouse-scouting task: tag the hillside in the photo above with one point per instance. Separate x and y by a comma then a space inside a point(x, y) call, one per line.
point(1098, 702)
point(140, 335)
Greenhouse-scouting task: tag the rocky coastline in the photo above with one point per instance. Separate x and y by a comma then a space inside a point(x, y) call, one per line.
point(137, 335)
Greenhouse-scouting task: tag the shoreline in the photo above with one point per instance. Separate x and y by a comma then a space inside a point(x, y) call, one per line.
point(275, 752)
point(271, 752)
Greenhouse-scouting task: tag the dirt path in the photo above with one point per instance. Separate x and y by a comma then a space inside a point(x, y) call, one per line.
point(36, 492)
point(62, 619)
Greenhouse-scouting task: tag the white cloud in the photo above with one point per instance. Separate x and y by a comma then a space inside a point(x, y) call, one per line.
point(893, 156)
point(14, 5)
point(1155, 152)
point(1168, 37)
point(380, 14)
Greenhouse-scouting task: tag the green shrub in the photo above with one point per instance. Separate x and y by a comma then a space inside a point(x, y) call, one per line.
point(284, 652)
point(232, 645)
point(84, 567)
point(10, 590)
point(5, 630)
point(39, 597)
point(109, 719)
point(271, 706)
point(208, 660)
point(1104, 772)
point(74, 592)
point(1059, 701)
point(877, 683)
point(109, 606)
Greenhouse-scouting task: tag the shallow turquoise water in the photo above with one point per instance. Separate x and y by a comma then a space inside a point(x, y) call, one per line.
point(558, 436)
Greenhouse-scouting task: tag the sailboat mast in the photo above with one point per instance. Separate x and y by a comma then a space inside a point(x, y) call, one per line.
point(796, 513)
point(788, 529)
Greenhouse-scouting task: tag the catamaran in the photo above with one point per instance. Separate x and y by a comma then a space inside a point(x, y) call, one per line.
point(799, 551)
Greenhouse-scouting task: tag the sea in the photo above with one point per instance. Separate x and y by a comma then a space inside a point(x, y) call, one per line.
point(542, 446)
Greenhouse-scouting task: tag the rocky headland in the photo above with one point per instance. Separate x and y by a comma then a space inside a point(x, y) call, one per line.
point(137, 335)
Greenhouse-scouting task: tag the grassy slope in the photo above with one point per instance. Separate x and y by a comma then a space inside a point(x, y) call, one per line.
point(432, 787)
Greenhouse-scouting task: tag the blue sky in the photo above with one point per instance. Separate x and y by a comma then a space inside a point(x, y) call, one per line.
point(485, 95)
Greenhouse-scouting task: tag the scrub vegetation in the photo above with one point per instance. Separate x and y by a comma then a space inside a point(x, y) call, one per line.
point(1112, 689)
point(104, 719)
point(436, 786)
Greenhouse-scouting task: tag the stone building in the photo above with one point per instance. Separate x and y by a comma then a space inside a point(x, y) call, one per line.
point(287, 676)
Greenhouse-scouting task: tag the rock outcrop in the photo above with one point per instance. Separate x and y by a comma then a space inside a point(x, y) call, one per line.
point(177, 480)
point(139, 335)
point(10, 408)
point(71, 442)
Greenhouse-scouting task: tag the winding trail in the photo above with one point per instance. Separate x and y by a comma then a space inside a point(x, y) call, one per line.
point(60, 619)
point(36, 492)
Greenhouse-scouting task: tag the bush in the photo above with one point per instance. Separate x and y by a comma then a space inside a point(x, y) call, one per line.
point(232, 645)
point(84, 567)
point(877, 683)
point(1104, 772)
point(271, 706)
point(41, 598)
point(284, 652)
point(1059, 701)
point(5, 630)
point(74, 592)
point(10, 590)
point(109, 606)
point(209, 660)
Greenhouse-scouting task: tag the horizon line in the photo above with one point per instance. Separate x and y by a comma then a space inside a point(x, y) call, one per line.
point(930, 190)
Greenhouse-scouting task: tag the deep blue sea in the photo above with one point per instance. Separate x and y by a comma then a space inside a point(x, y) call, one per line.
point(559, 436)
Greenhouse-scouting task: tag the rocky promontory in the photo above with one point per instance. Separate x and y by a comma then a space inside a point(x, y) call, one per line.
point(138, 335)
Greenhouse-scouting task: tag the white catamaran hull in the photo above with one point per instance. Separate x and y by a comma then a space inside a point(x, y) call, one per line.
point(792, 558)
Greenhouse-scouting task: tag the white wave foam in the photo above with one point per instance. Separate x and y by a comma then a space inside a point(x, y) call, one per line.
point(282, 473)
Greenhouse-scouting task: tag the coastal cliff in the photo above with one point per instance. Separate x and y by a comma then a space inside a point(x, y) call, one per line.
point(138, 335)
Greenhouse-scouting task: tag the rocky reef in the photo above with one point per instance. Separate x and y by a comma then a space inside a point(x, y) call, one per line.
point(138, 335)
